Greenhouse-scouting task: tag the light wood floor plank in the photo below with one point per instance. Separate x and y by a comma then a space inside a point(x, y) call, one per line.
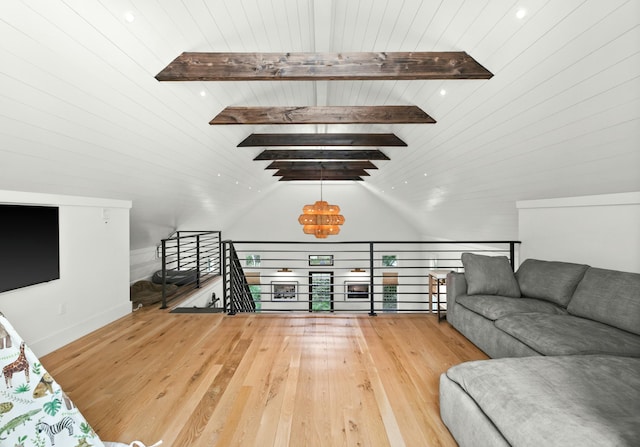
point(202, 380)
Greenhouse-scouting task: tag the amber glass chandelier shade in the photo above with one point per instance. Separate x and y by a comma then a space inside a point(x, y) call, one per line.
point(321, 219)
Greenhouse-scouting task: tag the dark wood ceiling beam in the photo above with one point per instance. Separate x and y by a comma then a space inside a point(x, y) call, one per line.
point(307, 177)
point(320, 173)
point(289, 178)
point(326, 165)
point(323, 115)
point(321, 154)
point(322, 139)
point(323, 66)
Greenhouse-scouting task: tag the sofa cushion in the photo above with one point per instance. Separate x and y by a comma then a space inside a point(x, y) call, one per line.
point(489, 275)
point(549, 280)
point(586, 401)
point(494, 306)
point(568, 335)
point(609, 296)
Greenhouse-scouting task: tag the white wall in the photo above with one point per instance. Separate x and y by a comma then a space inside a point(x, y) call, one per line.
point(602, 231)
point(144, 262)
point(93, 289)
point(275, 216)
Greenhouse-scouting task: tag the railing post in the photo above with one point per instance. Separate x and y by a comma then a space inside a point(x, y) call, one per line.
point(164, 274)
point(225, 290)
point(178, 250)
point(372, 312)
point(220, 260)
point(512, 255)
point(197, 261)
point(232, 267)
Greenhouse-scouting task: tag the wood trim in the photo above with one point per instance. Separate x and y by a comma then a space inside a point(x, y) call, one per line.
point(321, 154)
point(321, 139)
point(193, 66)
point(323, 115)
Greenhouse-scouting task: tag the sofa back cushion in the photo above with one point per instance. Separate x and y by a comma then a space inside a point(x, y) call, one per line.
point(549, 280)
point(609, 296)
point(494, 307)
point(489, 275)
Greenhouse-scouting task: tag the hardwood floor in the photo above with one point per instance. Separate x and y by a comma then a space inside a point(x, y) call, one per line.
point(203, 380)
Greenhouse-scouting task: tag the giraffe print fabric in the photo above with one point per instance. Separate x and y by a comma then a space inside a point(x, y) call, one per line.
point(34, 410)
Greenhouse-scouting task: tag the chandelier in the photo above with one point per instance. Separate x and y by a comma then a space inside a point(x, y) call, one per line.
point(321, 219)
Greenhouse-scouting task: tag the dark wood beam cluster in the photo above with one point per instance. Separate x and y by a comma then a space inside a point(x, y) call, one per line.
point(323, 66)
point(303, 164)
point(322, 169)
point(321, 139)
point(323, 115)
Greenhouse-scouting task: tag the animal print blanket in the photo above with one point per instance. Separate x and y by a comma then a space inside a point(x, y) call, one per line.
point(34, 411)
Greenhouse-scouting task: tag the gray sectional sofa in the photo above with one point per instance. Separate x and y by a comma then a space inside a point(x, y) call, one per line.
point(565, 345)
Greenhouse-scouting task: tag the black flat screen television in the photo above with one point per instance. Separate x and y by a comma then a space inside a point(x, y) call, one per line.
point(29, 245)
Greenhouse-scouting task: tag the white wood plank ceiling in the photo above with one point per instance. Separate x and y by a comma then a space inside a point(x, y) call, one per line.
point(81, 112)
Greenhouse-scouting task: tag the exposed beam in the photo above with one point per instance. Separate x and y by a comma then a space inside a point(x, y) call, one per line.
point(320, 173)
point(321, 154)
point(324, 178)
point(322, 139)
point(323, 115)
point(322, 66)
point(326, 165)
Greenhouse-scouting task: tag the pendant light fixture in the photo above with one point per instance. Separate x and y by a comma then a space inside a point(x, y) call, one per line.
point(321, 219)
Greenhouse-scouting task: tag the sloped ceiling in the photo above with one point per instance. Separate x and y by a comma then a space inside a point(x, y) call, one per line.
point(82, 114)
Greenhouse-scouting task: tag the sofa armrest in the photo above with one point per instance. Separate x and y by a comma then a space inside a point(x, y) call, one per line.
point(456, 286)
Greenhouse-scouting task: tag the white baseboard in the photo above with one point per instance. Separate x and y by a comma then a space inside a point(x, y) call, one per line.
point(65, 336)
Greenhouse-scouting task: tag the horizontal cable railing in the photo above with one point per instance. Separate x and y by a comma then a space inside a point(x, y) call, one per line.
point(371, 277)
point(189, 258)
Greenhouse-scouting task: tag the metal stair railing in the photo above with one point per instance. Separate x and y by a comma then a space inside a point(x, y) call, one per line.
point(189, 259)
point(237, 294)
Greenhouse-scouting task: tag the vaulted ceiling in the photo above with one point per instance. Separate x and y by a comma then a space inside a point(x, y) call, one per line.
point(81, 112)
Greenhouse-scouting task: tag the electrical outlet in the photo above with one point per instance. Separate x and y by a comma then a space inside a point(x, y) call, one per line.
point(62, 309)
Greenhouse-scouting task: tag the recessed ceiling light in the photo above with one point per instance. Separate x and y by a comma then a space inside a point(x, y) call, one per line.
point(406, 181)
point(203, 93)
point(425, 174)
point(443, 92)
point(129, 17)
point(521, 13)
